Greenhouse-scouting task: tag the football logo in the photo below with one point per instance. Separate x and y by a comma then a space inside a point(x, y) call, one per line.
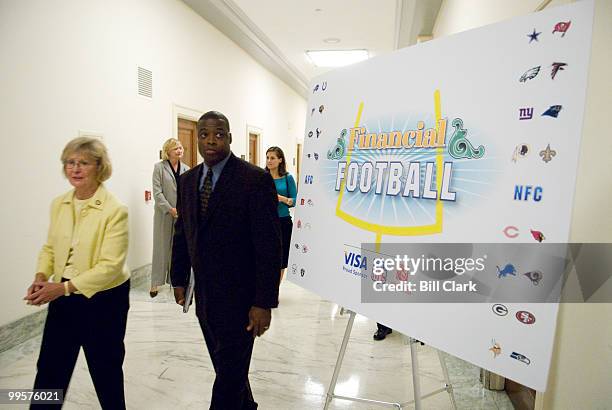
point(525, 317)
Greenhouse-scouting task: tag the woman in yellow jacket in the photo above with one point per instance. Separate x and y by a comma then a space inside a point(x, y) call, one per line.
point(82, 275)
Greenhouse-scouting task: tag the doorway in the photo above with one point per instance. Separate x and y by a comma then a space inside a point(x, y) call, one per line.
point(187, 134)
point(253, 144)
point(253, 148)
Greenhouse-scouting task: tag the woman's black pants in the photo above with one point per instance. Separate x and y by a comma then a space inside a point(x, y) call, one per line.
point(96, 324)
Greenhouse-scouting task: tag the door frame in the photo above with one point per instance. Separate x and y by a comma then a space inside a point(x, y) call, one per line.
point(186, 113)
point(252, 129)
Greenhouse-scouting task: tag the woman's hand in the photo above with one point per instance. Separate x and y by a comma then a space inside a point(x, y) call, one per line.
point(44, 292)
point(285, 200)
point(174, 212)
point(39, 277)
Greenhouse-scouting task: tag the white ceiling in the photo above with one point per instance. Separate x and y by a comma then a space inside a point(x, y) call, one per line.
point(295, 26)
point(277, 33)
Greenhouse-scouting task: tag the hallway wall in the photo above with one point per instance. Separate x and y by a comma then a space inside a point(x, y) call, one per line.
point(71, 65)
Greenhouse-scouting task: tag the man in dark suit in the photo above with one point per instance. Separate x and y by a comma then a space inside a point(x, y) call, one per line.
point(229, 232)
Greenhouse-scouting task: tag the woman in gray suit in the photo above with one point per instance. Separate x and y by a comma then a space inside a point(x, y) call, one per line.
point(165, 186)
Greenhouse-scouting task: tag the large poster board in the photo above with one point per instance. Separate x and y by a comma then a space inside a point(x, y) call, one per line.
point(472, 138)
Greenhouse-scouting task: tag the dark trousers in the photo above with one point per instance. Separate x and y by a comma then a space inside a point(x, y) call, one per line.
point(286, 227)
point(230, 347)
point(382, 327)
point(98, 325)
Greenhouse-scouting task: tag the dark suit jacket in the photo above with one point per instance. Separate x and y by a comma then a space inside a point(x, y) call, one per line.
point(236, 251)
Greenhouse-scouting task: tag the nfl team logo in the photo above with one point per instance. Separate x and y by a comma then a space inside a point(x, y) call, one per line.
point(525, 317)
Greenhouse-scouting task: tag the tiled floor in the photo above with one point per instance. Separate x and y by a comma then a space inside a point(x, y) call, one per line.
point(167, 365)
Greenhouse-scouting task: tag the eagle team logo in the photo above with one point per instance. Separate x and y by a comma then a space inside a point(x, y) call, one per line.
point(529, 74)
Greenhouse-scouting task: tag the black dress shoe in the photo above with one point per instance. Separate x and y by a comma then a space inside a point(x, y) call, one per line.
point(382, 333)
point(153, 293)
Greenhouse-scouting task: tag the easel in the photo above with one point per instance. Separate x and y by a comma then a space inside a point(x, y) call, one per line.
point(416, 381)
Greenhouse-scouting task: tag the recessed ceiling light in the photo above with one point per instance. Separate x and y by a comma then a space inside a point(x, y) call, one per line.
point(336, 58)
point(331, 40)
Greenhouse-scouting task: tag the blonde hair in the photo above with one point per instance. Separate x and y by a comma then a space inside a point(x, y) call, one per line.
point(95, 149)
point(170, 144)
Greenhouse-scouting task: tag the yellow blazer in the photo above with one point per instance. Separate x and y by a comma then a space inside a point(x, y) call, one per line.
point(100, 252)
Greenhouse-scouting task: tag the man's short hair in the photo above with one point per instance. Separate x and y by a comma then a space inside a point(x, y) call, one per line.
point(215, 115)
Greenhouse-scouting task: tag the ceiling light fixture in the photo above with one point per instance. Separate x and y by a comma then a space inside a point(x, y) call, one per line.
point(331, 40)
point(336, 58)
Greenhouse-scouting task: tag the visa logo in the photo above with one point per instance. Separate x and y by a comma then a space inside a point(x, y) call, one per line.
point(355, 260)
